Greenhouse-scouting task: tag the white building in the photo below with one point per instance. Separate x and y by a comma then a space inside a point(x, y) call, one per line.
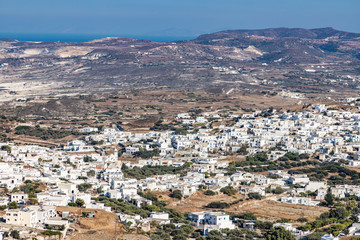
point(210, 221)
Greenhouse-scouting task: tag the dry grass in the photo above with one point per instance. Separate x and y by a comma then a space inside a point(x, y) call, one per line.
point(273, 210)
point(100, 227)
point(264, 209)
point(197, 201)
point(134, 237)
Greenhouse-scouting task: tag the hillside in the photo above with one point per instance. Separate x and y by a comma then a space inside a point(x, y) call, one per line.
point(305, 60)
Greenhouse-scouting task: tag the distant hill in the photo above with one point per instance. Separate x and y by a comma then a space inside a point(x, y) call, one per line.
point(318, 33)
point(296, 45)
point(275, 58)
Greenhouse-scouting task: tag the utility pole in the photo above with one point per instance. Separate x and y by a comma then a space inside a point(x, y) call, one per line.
point(117, 229)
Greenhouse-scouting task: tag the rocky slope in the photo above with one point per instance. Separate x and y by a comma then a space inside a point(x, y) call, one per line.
point(280, 58)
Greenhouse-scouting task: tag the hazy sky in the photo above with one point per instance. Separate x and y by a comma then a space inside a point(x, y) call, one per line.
point(173, 17)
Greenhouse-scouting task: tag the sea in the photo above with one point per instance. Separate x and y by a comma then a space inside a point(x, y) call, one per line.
point(85, 37)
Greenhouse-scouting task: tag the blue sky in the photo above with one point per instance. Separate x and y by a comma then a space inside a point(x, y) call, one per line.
point(173, 17)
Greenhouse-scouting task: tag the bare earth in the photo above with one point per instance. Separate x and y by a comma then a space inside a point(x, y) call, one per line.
point(273, 210)
point(100, 227)
point(265, 209)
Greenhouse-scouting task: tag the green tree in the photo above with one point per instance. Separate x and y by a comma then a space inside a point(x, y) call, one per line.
point(84, 186)
point(161, 236)
point(152, 208)
point(278, 190)
point(214, 235)
point(292, 156)
point(91, 173)
point(302, 219)
point(6, 148)
point(99, 190)
point(218, 205)
point(229, 190)
point(176, 194)
point(316, 235)
point(12, 205)
point(79, 202)
point(329, 198)
point(339, 213)
point(209, 193)
point(279, 233)
point(243, 149)
point(15, 234)
point(254, 195)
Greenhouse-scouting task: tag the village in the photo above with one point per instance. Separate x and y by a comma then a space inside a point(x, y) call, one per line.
point(308, 157)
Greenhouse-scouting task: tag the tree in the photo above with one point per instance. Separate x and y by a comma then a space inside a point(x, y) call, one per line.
point(33, 201)
point(279, 233)
point(88, 159)
point(91, 173)
point(179, 234)
point(260, 156)
point(254, 195)
point(263, 225)
point(278, 190)
point(229, 190)
point(6, 148)
point(15, 234)
point(304, 156)
point(243, 149)
point(79, 202)
point(188, 229)
point(339, 213)
point(329, 198)
point(209, 193)
point(214, 235)
point(168, 227)
point(12, 205)
point(161, 236)
point(218, 205)
point(302, 219)
point(196, 235)
point(99, 190)
point(188, 164)
point(292, 156)
point(152, 208)
point(316, 235)
point(84, 186)
point(176, 194)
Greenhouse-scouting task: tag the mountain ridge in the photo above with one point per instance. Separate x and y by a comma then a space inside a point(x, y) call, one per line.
point(276, 58)
point(315, 33)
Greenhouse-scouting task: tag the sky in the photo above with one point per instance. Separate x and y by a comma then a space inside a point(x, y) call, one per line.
point(172, 17)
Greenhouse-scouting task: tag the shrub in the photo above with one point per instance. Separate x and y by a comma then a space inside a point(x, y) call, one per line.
point(84, 186)
point(218, 205)
point(254, 196)
point(229, 190)
point(12, 205)
point(15, 234)
point(176, 194)
point(302, 219)
point(209, 193)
